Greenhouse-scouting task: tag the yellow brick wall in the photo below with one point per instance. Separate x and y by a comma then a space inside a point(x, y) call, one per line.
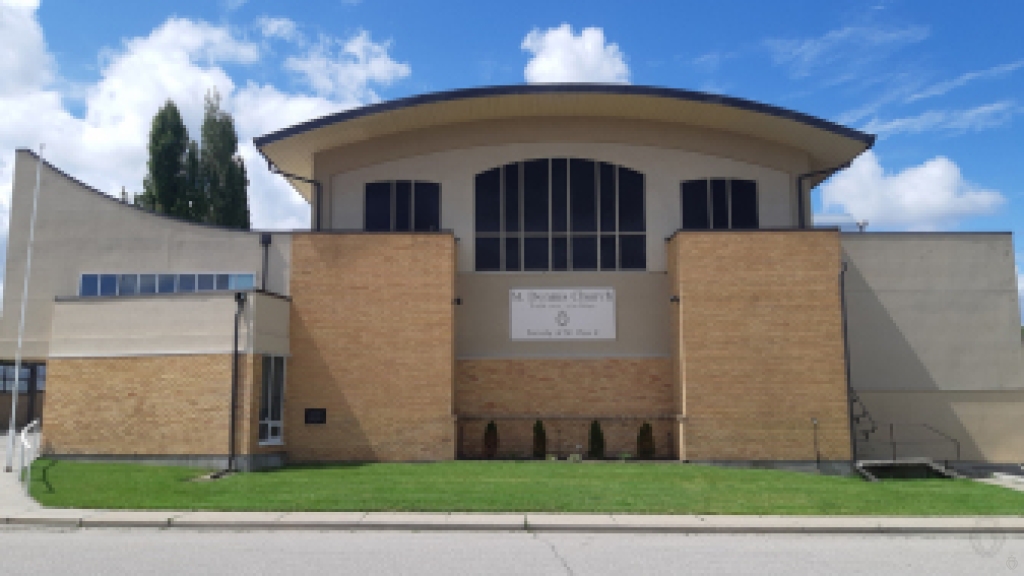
point(515, 436)
point(761, 350)
point(154, 405)
point(620, 392)
point(372, 330)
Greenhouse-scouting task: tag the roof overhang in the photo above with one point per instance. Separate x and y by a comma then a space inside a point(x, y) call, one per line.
point(827, 145)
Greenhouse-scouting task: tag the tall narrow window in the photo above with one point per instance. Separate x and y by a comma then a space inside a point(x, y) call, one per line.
point(427, 209)
point(560, 214)
point(719, 203)
point(744, 204)
point(402, 206)
point(582, 195)
point(535, 196)
point(695, 205)
point(271, 424)
point(378, 207)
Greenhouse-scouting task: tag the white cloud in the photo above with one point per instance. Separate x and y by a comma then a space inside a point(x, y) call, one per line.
point(181, 59)
point(346, 75)
point(559, 55)
point(231, 5)
point(1020, 287)
point(711, 61)
point(25, 65)
point(852, 45)
point(955, 121)
point(929, 196)
point(278, 27)
point(944, 87)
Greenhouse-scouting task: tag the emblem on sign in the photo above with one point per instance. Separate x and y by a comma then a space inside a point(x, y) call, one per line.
point(562, 319)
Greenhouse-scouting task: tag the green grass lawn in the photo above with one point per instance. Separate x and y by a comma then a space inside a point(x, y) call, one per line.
point(513, 486)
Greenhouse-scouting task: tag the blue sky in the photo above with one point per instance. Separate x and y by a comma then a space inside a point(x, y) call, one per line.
point(939, 82)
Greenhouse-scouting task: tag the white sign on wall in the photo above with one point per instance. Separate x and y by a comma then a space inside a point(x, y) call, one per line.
point(561, 314)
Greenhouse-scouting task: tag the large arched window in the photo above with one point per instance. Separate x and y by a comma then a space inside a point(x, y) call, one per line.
point(560, 214)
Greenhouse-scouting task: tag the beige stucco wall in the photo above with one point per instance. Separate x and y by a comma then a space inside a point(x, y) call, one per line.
point(177, 324)
point(641, 319)
point(934, 338)
point(267, 319)
point(78, 231)
point(666, 155)
point(987, 425)
point(932, 312)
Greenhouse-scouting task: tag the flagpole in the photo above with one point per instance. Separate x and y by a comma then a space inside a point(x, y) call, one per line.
point(12, 428)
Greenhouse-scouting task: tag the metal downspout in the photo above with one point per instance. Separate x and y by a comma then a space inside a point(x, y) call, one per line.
point(240, 300)
point(317, 191)
point(846, 361)
point(801, 220)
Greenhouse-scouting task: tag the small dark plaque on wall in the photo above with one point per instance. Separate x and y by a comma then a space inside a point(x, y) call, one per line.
point(316, 415)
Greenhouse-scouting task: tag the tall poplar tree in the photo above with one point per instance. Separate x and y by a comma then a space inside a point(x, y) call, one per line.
point(202, 183)
point(164, 185)
point(223, 170)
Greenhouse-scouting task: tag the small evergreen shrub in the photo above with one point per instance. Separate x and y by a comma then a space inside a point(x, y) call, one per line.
point(645, 442)
point(596, 440)
point(491, 440)
point(540, 440)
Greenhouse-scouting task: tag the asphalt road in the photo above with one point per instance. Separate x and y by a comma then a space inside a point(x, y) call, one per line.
point(142, 552)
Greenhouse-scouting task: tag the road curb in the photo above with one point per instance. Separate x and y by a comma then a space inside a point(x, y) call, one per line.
point(982, 527)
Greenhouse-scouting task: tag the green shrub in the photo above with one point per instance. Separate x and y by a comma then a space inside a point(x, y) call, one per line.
point(491, 440)
point(540, 440)
point(645, 442)
point(596, 440)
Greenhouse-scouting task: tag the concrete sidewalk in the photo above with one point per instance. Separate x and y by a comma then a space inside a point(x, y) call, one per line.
point(608, 523)
point(12, 494)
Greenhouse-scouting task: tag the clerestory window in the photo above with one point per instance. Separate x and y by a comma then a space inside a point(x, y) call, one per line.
point(719, 203)
point(402, 206)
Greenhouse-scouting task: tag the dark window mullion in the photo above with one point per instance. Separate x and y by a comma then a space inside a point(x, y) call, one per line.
point(618, 256)
point(568, 215)
point(521, 167)
point(392, 205)
point(551, 217)
point(711, 224)
point(598, 209)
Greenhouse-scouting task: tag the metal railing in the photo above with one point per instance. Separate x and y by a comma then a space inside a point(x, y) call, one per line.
point(912, 440)
point(27, 445)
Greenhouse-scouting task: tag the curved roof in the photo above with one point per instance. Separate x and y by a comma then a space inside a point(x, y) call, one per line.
point(827, 144)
